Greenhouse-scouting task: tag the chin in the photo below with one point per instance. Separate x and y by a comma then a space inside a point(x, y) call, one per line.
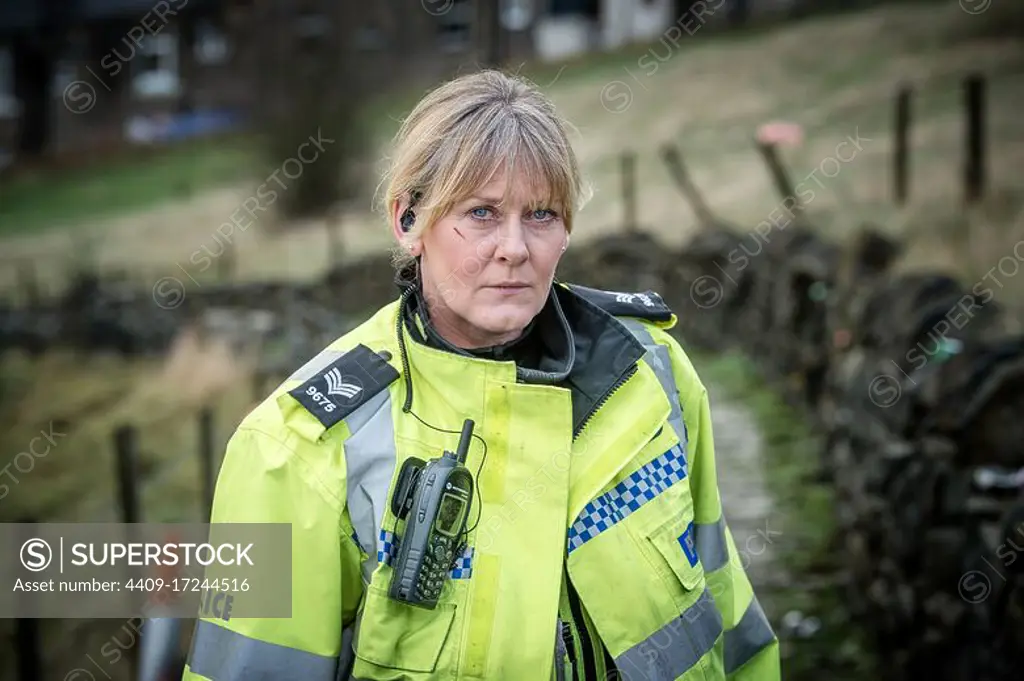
point(502, 319)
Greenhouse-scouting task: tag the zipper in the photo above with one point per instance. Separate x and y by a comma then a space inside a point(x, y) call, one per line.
point(569, 650)
point(586, 645)
point(604, 398)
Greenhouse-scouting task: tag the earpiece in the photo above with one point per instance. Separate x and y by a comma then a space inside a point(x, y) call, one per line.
point(408, 217)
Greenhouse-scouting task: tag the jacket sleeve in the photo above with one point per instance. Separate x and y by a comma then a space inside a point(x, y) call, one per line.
point(750, 649)
point(271, 475)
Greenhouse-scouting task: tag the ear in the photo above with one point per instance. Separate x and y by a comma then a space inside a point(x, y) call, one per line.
point(407, 241)
point(397, 208)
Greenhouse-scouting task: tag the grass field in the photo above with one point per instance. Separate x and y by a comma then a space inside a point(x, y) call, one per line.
point(80, 401)
point(34, 203)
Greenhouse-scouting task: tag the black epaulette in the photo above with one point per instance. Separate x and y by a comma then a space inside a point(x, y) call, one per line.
point(344, 385)
point(646, 305)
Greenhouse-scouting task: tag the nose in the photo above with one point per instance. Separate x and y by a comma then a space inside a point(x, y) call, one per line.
point(511, 247)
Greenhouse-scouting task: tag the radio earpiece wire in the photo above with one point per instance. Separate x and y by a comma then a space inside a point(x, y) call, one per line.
point(407, 408)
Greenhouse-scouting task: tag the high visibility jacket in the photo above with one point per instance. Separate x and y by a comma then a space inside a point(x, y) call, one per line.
point(598, 541)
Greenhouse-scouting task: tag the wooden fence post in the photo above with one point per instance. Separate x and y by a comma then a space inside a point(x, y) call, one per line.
point(27, 645)
point(206, 447)
point(901, 140)
point(783, 183)
point(974, 156)
point(126, 443)
point(629, 191)
point(677, 170)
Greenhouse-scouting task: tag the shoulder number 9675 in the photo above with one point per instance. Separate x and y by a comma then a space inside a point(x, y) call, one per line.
point(320, 399)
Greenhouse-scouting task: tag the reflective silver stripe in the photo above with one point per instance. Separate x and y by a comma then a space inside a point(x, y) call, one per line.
point(675, 648)
point(369, 459)
point(659, 360)
point(311, 368)
point(752, 634)
point(711, 545)
point(370, 462)
point(220, 654)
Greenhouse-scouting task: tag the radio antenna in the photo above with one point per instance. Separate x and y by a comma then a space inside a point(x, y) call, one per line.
point(464, 440)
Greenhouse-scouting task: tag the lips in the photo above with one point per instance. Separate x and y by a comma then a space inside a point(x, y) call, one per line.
point(510, 290)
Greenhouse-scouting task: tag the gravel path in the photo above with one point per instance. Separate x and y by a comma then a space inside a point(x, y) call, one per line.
point(748, 507)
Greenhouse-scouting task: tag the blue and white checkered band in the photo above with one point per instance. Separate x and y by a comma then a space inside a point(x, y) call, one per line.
point(463, 567)
point(387, 549)
point(641, 486)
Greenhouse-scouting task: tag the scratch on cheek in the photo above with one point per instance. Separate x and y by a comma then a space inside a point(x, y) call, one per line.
point(459, 233)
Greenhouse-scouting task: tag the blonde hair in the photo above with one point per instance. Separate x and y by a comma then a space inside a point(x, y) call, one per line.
point(464, 131)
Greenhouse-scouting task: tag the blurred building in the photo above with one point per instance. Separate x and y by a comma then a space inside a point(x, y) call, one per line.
point(91, 75)
point(80, 77)
point(571, 27)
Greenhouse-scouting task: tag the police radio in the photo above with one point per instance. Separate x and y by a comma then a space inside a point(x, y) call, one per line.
point(433, 498)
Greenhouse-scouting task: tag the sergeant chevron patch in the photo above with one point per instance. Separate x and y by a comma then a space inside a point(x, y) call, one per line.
point(646, 305)
point(344, 385)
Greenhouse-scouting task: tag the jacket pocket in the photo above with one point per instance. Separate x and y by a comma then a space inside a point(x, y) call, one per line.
point(397, 635)
point(671, 550)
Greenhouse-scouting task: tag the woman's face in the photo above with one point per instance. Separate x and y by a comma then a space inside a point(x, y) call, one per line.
point(488, 265)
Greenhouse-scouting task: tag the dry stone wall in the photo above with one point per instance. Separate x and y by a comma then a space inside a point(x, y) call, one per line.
point(919, 385)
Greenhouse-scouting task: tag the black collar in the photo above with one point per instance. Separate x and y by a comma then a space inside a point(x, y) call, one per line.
point(571, 343)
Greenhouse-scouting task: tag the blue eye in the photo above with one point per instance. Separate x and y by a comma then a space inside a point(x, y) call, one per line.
point(480, 213)
point(543, 215)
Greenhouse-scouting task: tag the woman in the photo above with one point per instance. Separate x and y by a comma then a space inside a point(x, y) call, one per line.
point(588, 542)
